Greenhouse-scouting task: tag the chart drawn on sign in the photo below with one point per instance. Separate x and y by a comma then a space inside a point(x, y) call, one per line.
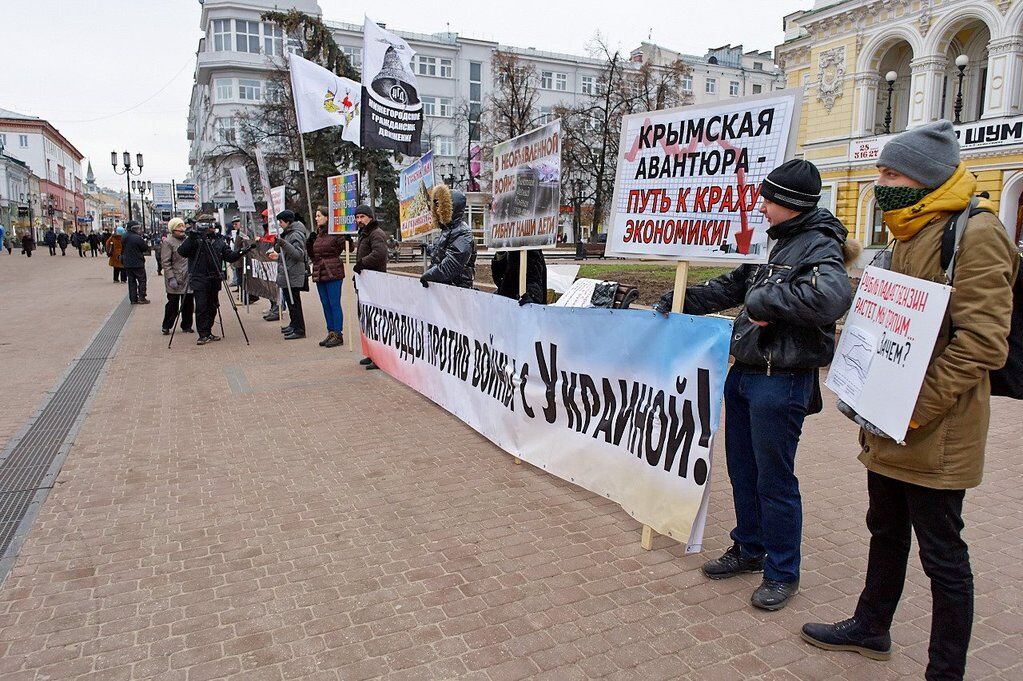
point(851, 365)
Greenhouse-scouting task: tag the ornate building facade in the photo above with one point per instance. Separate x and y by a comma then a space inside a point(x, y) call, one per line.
point(873, 68)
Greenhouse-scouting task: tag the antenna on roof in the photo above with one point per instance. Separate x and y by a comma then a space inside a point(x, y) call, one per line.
point(650, 34)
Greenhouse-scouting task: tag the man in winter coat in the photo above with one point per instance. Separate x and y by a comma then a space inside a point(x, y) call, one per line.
point(291, 272)
point(505, 269)
point(453, 256)
point(133, 258)
point(371, 252)
point(175, 279)
point(206, 251)
point(28, 243)
point(783, 334)
point(50, 239)
point(921, 485)
point(94, 242)
point(63, 240)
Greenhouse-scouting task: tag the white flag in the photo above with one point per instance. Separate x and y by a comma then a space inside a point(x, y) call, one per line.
point(324, 99)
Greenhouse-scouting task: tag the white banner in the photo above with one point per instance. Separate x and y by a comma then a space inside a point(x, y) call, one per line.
point(324, 99)
point(886, 345)
point(242, 190)
point(276, 206)
point(526, 190)
point(689, 178)
point(624, 403)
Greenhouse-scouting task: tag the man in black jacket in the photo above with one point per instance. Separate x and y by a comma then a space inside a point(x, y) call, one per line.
point(133, 260)
point(206, 250)
point(453, 255)
point(505, 270)
point(784, 333)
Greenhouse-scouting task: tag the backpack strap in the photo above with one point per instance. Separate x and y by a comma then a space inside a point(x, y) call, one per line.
point(952, 237)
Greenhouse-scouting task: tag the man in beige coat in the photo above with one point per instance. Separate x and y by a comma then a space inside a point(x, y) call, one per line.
point(921, 486)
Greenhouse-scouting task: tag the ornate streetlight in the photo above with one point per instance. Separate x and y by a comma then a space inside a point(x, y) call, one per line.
point(141, 187)
point(961, 62)
point(891, 77)
point(127, 171)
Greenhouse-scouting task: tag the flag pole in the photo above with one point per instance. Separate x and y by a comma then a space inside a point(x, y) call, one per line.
point(301, 143)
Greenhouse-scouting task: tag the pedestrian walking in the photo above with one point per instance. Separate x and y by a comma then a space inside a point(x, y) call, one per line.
point(206, 251)
point(175, 279)
point(104, 238)
point(453, 256)
point(920, 486)
point(94, 242)
point(292, 278)
point(134, 248)
point(79, 240)
point(4, 244)
point(783, 334)
point(114, 247)
point(371, 252)
point(28, 243)
point(63, 240)
point(50, 239)
point(504, 268)
point(328, 271)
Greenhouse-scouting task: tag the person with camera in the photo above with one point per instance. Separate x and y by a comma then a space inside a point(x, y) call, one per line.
point(206, 250)
point(290, 247)
point(133, 259)
point(175, 277)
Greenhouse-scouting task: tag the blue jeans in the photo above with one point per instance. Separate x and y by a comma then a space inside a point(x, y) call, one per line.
point(763, 421)
point(330, 299)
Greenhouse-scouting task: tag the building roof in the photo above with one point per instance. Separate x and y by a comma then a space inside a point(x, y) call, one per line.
point(35, 121)
point(7, 113)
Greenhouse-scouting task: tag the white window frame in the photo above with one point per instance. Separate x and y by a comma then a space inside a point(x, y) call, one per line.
point(223, 125)
point(545, 115)
point(273, 40)
point(425, 65)
point(247, 36)
point(223, 40)
point(733, 88)
point(443, 146)
point(223, 89)
point(710, 86)
point(250, 90)
point(757, 91)
point(546, 80)
point(429, 105)
point(23, 141)
point(445, 107)
point(445, 68)
point(561, 82)
point(354, 55)
point(586, 85)
point(687, 83)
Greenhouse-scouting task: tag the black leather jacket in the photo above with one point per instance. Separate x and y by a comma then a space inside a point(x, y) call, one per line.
point(453, 255)
point(801, 292)
point(204, 271)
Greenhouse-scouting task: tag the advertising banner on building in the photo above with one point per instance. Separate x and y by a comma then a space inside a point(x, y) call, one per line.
point(242, 190)
point(998, 132)
point(624, 403)
point(689, 178)
point(342, 200)
point(392, 113)
point(163, 196)
point(186, 197)
point(414, 184)
point(886, 345)
point(526, 190)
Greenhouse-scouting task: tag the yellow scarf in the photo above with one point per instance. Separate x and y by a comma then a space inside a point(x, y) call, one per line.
point(951, 197)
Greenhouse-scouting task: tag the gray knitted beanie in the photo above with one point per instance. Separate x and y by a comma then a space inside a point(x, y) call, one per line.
point(929, 154)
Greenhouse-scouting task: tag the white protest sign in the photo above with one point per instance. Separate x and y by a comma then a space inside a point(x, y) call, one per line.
point(624, 403)
point(886, 346)
point(688, 179)
point(275, 207)
point(527, 190)
point(242, 191)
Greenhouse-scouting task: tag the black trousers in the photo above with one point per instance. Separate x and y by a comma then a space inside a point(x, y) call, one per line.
point(175, 301)
point(53, 249)
point(896, 509)
point(136, 283)
point(206, 305)
point(295, 310)
point(94, 250)
point(120, 274)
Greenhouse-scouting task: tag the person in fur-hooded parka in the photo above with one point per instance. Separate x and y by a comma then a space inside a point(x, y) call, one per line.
point(453, 254)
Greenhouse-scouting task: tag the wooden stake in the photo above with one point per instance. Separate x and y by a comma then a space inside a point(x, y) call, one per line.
point(522, 291)
point(678, 300)
point(348, 293)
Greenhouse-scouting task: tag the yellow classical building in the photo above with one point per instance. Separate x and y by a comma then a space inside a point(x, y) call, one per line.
point(872, 68)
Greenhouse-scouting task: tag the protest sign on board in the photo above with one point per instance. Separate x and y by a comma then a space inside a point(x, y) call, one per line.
point(886, 346)
point(342, 200)
point(242, 190)
point(261, 274)
point(264, 186)
point(276, 206)
point(624, 403)
point(414, 185)
point(526, 190)
point(688, 179)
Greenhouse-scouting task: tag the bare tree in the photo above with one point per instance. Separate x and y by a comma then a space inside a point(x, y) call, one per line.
point(512, 106)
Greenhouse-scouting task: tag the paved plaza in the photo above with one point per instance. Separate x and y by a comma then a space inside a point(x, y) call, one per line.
point(277, 512)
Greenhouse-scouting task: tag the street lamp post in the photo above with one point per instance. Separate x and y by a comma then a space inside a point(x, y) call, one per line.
point(141, 187)
point(891, 77)
point(577, 217)
point(127, 171)
point(961, 62)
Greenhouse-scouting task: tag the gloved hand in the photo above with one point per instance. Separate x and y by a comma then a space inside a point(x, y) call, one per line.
point(172, 283)
point(424, 282)
point(357, 269)
point(860, 421)
point(664, 304)
point(524, 300)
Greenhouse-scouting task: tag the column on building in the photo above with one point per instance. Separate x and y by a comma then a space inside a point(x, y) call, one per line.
point(926, 85)
point(866, 85)
point(1004, 96)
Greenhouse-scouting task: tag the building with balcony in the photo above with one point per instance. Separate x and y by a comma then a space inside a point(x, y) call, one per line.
point(51, 157)
point(872, 68)
point(454, 74)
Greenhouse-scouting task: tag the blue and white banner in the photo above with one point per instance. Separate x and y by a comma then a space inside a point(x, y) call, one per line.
point(624, 403)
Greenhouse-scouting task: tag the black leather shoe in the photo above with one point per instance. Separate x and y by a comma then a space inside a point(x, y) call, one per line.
point(165, 332)
point(365, 361)
point(286, 330)
point(371, 366)
point(294, 335)
point(848, 635)
point(732, 564)
point(773, 595)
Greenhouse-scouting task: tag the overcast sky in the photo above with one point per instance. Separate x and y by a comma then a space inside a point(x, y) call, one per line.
point(117, 74)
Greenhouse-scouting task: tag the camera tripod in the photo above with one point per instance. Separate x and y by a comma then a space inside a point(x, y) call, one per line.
point(223, 283)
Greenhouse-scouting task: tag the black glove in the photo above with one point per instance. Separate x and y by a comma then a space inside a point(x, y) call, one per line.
point(524, 300)
point(357, 269)
point(664, 304)
point(424, 282)
point(860, 421)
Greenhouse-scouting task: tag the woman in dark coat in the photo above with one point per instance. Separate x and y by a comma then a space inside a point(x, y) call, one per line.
point(326, 251)
point(28, 244)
